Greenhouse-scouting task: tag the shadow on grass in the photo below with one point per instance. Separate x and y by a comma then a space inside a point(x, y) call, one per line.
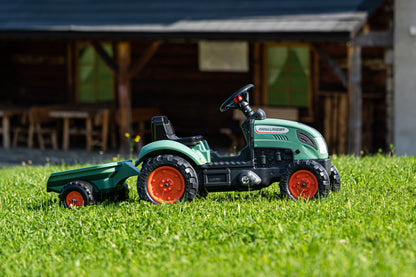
point(253, 196)
point(215, 197)
point(46, 204)
point(42, 205)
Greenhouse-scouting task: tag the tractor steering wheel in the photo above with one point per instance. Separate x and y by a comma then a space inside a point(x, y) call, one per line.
point(233, 101)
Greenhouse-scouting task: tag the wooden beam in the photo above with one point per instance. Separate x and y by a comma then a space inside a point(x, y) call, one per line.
point(106, 58)
point(70, 72)
point(144, 59)
point(374, 39)
point(355, 100)
point(333, 65)
point(124, 93)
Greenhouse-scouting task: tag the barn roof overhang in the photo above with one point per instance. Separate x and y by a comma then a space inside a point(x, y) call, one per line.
point(227, 19)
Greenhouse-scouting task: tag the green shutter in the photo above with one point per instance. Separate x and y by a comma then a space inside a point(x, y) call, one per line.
point(96, 80)
point(288, 77)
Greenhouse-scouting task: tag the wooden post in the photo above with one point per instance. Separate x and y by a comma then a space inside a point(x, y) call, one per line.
point(257, 73)
point(6, 131)
point(70, 72)
point(388, 58)
point(264, 84)
point(124, 93)
point(335, 122)
point(355, 100)
point(343, 117)
point(327, 121)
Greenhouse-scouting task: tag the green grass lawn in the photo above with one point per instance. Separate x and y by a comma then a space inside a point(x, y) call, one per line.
point(367, 229)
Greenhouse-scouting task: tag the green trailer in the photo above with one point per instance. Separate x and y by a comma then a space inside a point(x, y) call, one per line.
point(85, 186)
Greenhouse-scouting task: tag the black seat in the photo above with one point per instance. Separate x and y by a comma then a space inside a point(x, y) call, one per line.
point(163, 129)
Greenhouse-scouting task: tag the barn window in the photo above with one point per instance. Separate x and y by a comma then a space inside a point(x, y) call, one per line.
point(223, 56)
point(288, 75)
point(95, 79)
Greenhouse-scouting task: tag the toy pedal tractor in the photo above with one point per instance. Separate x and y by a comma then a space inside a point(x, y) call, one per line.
point(177, 169)
point(293, 154)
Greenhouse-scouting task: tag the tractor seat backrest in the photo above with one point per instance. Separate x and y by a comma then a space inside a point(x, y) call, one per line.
point(163, 129)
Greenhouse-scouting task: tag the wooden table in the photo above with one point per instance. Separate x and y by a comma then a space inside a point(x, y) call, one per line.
point(88, 116)
point(6, 114)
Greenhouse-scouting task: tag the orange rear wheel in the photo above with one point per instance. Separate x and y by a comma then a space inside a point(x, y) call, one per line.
point(167, 179)
point(305, 179)
point(166, 184)
point(77, 193)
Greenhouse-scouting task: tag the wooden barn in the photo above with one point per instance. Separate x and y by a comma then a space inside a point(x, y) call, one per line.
point(325, 63)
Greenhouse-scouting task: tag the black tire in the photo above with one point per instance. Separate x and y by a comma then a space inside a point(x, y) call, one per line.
point(167, 178)
point(335, 179)
point(78, 193)
point(305, 179)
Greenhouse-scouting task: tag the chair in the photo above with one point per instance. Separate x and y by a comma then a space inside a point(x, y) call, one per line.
point(95, 130)
point(45, 127)
point(99, 134)
point(141, 122)
point(21, 129)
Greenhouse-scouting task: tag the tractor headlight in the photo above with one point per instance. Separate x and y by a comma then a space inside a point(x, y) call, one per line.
point(323, 149)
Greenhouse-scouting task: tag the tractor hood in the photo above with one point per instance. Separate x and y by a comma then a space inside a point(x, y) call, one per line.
point(304, 141)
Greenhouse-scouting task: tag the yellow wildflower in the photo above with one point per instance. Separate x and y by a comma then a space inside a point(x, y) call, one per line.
point(137, 139)
point(127, 135)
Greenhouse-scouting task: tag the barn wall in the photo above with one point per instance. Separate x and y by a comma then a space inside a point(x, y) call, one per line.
point(373, 84)
point(190, 98)
point(33, 72)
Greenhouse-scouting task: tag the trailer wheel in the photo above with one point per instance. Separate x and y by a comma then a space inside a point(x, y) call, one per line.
point(335, 179)
point(305, 180)
point(77, 193)
point(167, 179)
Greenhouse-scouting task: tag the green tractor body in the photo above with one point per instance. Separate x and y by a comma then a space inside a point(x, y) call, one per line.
point(177, 169)
point(288, 152)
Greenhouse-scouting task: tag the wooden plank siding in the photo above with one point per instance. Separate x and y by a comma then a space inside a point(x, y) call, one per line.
point(172, 82)
point(373, 82)
point(34, 72)
point(38, 72)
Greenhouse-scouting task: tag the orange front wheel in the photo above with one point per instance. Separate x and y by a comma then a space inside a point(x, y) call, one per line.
point(305, 179)
point(303, 184)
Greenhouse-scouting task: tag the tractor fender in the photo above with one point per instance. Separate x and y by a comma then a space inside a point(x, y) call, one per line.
point(170, 146)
